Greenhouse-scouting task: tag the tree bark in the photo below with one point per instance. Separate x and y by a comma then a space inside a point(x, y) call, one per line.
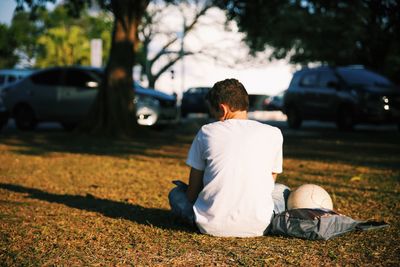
point(113, 112)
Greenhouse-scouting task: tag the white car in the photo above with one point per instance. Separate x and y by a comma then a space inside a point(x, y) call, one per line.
point(65, 95)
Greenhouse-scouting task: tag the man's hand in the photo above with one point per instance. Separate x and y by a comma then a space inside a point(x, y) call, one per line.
point(195, 184)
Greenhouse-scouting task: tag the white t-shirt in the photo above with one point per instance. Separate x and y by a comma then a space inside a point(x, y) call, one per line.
point(238, 158)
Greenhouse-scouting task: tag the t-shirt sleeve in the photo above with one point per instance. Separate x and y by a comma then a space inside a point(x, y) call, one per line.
point(277, 165)
point(195, 157)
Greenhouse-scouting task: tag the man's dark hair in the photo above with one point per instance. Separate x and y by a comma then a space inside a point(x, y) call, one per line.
point(230, 92)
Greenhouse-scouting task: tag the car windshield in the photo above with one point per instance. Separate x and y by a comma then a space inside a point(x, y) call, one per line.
point(363, 77)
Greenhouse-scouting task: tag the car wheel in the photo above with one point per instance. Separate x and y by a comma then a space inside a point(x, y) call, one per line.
point(69, 126)
point(25, 118)
point(345, 119)
point(293, 118)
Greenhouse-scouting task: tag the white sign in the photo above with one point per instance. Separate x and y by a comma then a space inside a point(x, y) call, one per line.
point(96, 52)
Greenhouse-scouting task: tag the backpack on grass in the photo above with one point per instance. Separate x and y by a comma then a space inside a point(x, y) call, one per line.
point(316, 224)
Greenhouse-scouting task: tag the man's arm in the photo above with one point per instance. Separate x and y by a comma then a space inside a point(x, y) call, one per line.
point(195, 184)
point(274, 176)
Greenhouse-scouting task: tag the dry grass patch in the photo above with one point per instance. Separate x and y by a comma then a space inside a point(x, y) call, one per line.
point(72, 200)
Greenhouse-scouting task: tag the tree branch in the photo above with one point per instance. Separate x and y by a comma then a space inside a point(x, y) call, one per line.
point(169, 65)
point(187, 28)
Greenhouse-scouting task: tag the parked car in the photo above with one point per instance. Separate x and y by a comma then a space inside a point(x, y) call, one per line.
point(3, 114)
point(65, 95)
point(193, 101)
point(10, 76)
point(154, 107)
point(258, 102)
point(345, 95)
point(276, 102)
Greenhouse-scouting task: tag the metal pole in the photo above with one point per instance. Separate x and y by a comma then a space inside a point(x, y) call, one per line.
point(182, 56)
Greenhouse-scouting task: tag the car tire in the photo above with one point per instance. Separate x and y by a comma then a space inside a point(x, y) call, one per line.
point(294, 119)
point(25, 118)
point(345, 119)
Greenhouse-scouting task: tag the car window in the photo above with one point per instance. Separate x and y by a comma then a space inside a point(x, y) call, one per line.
point(326, 78)
point(49, 77)
point(12, 78)
point(363, 77)
point(309, 80)
point(79, 78)
point(198, 90)
point(205, 90)
point(195, 90)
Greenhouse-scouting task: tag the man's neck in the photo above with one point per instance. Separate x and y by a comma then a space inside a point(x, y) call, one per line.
point(238, 115)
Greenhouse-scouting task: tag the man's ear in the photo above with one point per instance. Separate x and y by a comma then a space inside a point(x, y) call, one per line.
point(224, 109)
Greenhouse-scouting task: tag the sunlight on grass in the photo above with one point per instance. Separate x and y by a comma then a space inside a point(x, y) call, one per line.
point(73, 200)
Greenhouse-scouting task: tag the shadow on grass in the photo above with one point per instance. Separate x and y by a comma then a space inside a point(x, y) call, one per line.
point(359, 148)
point(362, 147)
point(118, 210)
point(152, 144)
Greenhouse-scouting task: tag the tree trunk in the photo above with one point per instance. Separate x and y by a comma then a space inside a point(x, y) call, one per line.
point(113, 112)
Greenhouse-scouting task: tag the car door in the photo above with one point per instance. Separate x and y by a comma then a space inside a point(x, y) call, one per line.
point(309, 96)
point(327, 94)
point(78, 91)
point(41, 93)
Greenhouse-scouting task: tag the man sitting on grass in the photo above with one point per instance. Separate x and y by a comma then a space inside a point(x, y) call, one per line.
point(234, 164)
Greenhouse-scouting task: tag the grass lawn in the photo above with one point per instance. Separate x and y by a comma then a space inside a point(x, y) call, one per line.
point(67, 199)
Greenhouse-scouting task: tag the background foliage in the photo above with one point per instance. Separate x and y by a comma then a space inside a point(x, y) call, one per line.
point(363, 32)
point(55, 38)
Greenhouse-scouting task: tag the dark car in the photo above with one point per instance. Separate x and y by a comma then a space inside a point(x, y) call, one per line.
point(3, 114)
point(276, 102)
point(65, 95)
point(258, 102)
point(345, 95)
point(193, 101)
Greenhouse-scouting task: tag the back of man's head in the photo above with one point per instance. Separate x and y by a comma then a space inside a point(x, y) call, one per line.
point(230, 92)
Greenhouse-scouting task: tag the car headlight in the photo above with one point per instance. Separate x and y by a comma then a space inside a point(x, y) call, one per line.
point(146, 101)
point(386, 104)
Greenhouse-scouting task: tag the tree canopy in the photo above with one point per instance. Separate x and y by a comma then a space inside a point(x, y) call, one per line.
point(7, 43)
point(340, 32)
point(54, 38)
point(66, 41)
